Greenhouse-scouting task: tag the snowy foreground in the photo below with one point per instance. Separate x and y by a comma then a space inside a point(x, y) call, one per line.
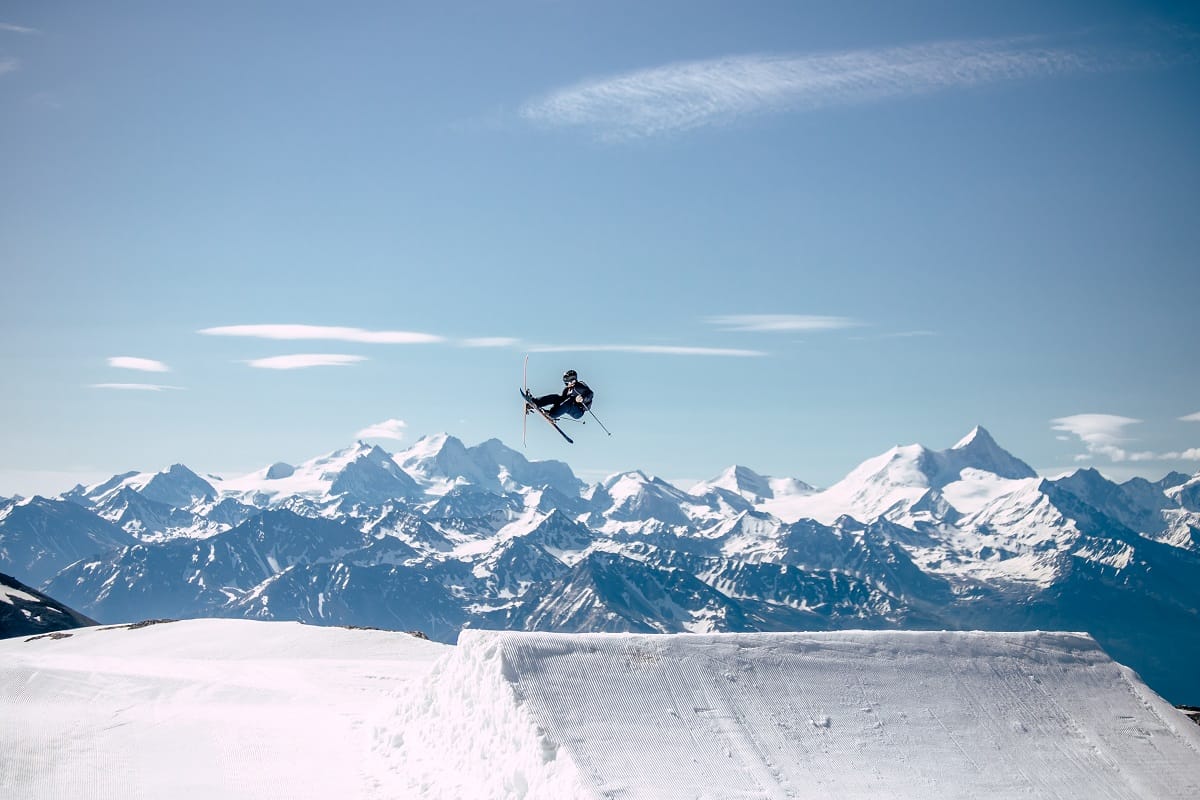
point(213, 709)
point(232, 709)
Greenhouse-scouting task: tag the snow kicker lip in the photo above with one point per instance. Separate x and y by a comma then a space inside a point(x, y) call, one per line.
point(848, 714)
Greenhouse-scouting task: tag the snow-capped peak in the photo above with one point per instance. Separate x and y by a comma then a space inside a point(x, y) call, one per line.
point(895, 482)
point(513, 471)
point(280, 470)
point(179, 487)
point(739, 480)
point(439, 449)
point(634, 477)
point(749, 484)
point(429, 447)
point(100, 493)
point(364, 471)
point(636, 495)
point(978, 450)
point(1187, 494)
point(978, 434)
point(441, 462)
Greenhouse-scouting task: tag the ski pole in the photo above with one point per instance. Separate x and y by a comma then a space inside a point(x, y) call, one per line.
point(601, 424)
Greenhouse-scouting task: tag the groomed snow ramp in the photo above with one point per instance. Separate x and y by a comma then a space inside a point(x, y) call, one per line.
point(791, 715)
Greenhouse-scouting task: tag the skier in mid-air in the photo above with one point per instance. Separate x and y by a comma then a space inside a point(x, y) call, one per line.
point(575, 400)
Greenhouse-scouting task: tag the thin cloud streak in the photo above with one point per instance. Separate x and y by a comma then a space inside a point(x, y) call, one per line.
point(135, 387)
point(388, 429)
point(1191, 417)
point(490, 341)
point(683, 96)
point(21, 29)
point(648, 349)
point(782, 322)
point(142, 364)
point(305, 360)
point(322, 332)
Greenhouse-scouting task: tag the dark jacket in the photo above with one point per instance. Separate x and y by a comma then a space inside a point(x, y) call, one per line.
point(580, 389)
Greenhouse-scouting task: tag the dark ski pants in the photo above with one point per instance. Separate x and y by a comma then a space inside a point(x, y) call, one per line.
point(558, 406)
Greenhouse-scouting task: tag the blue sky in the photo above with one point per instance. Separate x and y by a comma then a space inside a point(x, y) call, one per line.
point(786, 235)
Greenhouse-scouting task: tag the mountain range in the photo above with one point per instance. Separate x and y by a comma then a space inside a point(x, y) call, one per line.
point(442, 536)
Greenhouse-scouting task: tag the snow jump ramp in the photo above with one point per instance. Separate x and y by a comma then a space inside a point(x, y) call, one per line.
point(791, 715)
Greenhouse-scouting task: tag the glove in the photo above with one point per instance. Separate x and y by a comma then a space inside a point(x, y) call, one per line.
point(579, 399)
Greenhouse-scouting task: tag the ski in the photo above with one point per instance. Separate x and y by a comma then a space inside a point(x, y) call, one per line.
point(525, 396)
point(528, 404)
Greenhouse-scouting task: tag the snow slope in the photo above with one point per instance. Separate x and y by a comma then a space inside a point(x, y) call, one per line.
point(199, 709)
point(847, 715)
point(239, 709)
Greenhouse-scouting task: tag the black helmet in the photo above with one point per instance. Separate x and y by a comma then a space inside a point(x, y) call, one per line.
point(570, 376)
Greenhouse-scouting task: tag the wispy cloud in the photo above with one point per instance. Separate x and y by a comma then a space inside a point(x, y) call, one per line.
point(9, 64)
point(1191, 417)
point(135, 387)
point(651, 349)
point(322, 332)
point(1104, 435)
point(683, 96)
point(490, 341)
point(305, 360)
point(143, 364)
point(1101, 434)
point(21, 29)
point(782, 322)
point(388, 429)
